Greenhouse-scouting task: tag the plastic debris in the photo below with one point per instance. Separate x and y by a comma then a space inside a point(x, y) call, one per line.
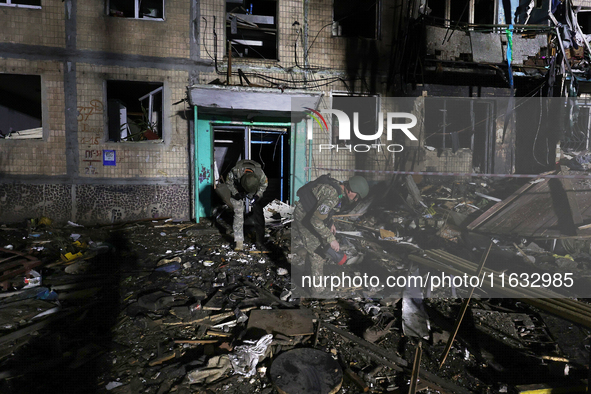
point(246, 357)
point(282, 271)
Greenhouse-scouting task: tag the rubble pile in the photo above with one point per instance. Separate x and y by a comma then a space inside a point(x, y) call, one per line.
point(160, 306)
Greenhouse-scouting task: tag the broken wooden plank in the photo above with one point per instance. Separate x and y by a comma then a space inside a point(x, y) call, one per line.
point(197, 341)
point(290, 322)
point(398, 364)
point(356, 380)
point(208, 319)
point(463, 309)
point(416, 366)
point(499, 206)
point(166, 357)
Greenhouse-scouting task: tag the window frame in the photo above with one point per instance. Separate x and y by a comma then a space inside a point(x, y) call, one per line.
point(377, 30)
point(439, 137)
point(334, 121)
point(471, 12)
point(163, 122)
point(137, 4)
point(44, 112)
point(9, 3)
point(242, 43)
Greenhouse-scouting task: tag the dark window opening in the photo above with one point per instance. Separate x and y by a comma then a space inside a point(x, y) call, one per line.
point(20, 106)
point(134, 110)
point(448, 123)
point(584, 19)
point(16, 3)
point(251, 28)
point(459, 11)
point(138, 9)
point(437, 9)
point(462, 11)
point(484, 12)
point(576, 136)
point(367, 109)
point(353, 18)
point(469, 123)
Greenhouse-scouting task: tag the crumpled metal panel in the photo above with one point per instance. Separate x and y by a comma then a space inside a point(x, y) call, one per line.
point(486, 47)
point(443, 47)
point(525, 47)
point(483, 47)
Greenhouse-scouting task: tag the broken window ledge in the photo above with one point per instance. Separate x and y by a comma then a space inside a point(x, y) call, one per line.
point(430, 148)
point(146, 142)
point(143, 18)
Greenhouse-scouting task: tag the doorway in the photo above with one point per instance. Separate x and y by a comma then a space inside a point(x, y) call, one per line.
point(269, 146)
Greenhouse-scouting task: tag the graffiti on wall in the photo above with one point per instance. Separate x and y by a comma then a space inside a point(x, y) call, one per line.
point(94, 107)
point(90, 135)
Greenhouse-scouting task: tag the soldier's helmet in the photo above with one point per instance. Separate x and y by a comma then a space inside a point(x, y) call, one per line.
point(358, 184)
point(250, 182)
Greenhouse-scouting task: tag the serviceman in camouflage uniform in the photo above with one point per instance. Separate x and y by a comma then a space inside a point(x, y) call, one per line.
point(247, 181)
point(312, 227)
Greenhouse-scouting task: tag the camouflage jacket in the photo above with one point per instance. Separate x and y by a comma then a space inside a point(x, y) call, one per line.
point(328, 202)
point(243, 166)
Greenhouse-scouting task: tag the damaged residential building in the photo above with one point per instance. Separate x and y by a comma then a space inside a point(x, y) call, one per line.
point(470, 120)
point(124, 110)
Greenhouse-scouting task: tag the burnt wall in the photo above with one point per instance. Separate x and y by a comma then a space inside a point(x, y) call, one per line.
point(93, 204)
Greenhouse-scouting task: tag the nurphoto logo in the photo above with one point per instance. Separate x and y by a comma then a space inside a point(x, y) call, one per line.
point(344, 130)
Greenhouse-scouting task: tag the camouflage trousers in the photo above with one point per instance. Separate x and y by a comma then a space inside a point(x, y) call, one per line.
point(255, 219)
point(304, 245)
point(238, 224)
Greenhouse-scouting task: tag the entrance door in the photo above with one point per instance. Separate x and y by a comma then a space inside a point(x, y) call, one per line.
point(268, 146)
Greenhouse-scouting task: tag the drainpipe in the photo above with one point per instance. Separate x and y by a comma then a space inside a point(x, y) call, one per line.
point(309, 160)
point(306, 65)
point(195, 170)
point(306, 14)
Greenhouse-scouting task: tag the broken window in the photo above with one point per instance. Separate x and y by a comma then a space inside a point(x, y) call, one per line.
point(577, 133)
point(533, 12)
point(21, 3)
point(448, 123)
point(251, 28)
point(137, 9)
point(452, 12)
point(353, 18)
point(367, 108)
point(134, 110)
point(584, 19)
point(20, 106)
point(462, 123)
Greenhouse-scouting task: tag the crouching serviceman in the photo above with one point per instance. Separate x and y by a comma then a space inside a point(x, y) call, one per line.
point(313, 230)
point(247, 183)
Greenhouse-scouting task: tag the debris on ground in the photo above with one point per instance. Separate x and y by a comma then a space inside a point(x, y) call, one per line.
point(160, 306)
